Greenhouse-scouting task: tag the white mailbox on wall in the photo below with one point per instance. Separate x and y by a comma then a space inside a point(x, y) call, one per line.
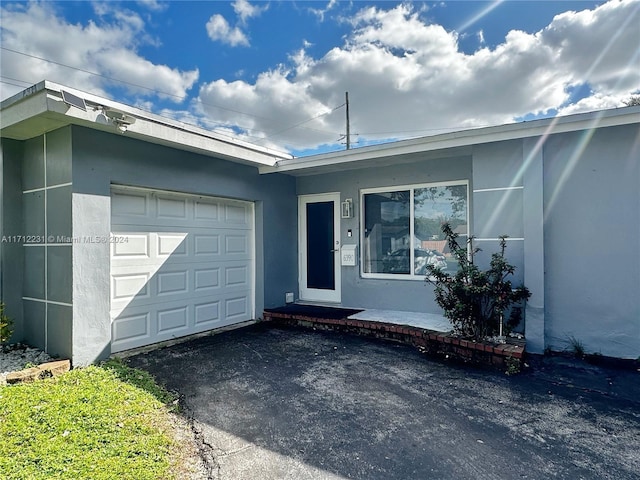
point(348, 256)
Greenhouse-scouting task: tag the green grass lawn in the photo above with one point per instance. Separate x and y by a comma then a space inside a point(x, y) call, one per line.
point(99, 422)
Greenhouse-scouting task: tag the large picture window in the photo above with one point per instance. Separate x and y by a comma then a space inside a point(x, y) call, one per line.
point(402, 231)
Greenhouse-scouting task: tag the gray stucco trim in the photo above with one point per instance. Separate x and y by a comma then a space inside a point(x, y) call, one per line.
point(533, 206)
point(384, 293)
point(36, 267)
point(91, 281)
point(11, 253)
point(102, 160)
point(592, 240)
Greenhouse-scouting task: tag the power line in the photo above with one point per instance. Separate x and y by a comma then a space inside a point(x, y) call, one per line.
point(306, 121)
point(93, 73)
point(215, 128)
point(227, 125)
point(458, 127)
point(179, 97)
point(22, 84)
point(159, 92)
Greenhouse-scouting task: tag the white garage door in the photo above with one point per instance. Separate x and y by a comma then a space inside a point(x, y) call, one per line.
point(180, 264)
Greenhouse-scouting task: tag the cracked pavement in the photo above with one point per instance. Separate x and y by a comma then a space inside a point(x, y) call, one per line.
point(270, 403)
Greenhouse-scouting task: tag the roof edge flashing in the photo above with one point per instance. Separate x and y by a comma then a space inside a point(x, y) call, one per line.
point(144, 125)
point(21, 95)
point(104, 103)
point(462, 138)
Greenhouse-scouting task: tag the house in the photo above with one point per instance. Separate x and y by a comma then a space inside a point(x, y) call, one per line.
point(121, 228)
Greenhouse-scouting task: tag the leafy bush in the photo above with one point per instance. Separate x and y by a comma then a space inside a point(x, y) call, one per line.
point(6, 326)
point(477, 301)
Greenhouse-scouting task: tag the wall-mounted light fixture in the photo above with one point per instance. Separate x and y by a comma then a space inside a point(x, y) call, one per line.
point(347, 208)
point(121, 120)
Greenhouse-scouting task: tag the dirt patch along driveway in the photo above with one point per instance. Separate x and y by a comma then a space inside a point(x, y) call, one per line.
point(271, 403)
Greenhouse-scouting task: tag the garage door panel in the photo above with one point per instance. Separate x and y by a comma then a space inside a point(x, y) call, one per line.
point(133, 245)
point(173, 282)
point(180, 278)
point(236, 244)
point(206, 279)
point(171, 207)
point(186, 266)
point(204, 245)
point(121, 305)
point(130, 279)
point(237, 214)
point(172, 244)
point(124, 305)
point(138, 325)
point(207, 313)
point(142, 284)
point(133, 329)
point(125, 286)
point(236, 275)
point(160, 246)
point(173, 320)
point(237, 308)
point(133, 206)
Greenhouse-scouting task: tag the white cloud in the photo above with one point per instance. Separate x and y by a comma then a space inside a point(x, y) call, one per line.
point(108, 50)
point(219, 29)
point(154, 5)
point(406, 77)
point(598, 101)
point(320, 12)
point(245, 10)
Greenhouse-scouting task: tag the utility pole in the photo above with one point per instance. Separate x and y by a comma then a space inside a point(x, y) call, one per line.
point(346, 99)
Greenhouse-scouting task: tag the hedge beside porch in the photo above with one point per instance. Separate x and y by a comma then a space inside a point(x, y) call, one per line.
point(506, 357)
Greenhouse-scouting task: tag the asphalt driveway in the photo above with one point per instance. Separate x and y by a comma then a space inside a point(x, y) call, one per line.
point(270, 403)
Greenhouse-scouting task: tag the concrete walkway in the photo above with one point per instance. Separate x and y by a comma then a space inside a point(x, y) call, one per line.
point(428, 321)
point(270, 403)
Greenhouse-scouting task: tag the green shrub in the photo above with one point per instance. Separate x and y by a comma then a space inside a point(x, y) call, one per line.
point(477, 301)
point(6, 326)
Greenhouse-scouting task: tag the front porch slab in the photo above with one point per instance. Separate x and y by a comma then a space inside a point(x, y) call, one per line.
point(429, 332)
point(426, 321)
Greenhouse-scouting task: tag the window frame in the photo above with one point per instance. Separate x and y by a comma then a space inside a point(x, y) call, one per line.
point(394, 188)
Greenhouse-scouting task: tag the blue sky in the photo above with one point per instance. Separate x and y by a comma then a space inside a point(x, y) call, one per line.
point(275, 72)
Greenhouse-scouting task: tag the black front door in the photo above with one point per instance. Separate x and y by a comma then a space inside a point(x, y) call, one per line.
point(320, 246)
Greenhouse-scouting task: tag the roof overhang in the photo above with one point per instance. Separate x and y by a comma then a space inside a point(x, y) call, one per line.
point(41, 108)
point(449, 145)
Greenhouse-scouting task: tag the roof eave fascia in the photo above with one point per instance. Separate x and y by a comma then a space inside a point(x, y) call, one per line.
point(359, 157)
point(33, 102)
point(46, 98)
